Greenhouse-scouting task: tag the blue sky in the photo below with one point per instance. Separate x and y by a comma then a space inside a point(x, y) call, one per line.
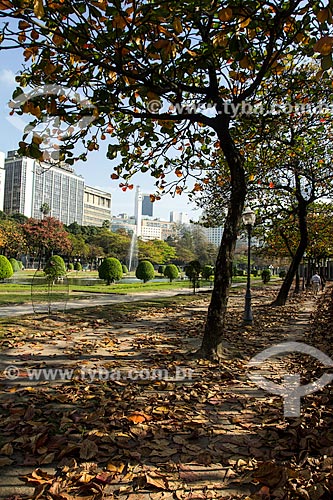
point(96, 171)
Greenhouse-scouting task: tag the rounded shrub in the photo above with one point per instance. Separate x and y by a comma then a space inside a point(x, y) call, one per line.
point(145, 271)
point(6, 270)
point(265, 275)
point(193, 269)
point(78, 266)
point(20, 264)
point(71, 266)
point(124, 268)
point(207, 272)
point(55, 268)
point(110, 270)
point(14, 264)
point(171, 272)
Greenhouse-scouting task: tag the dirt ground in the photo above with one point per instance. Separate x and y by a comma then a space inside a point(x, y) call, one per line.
point(104, 404)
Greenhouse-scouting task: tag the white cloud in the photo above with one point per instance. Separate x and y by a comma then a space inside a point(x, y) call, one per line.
point(7, 77)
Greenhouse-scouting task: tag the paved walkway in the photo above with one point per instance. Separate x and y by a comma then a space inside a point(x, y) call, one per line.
point(95, 300)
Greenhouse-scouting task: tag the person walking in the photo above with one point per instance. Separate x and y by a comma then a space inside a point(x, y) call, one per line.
point(316, 282)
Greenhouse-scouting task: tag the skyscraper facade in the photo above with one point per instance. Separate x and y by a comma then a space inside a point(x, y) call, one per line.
point(147, 206)
point(30, 184)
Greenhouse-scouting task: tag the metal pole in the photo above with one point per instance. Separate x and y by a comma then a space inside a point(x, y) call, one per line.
point(248, 318)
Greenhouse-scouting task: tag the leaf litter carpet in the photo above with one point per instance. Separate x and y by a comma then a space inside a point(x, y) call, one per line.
point(137, 418)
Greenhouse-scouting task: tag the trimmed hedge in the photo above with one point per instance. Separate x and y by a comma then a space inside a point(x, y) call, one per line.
point(145, 271)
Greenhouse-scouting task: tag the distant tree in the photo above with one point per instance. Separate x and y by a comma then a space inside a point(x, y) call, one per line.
point(106, 224)
point(124, 267)
point(55, 268)
point(14, 264)
point(45, 209)
point(265, 275)
point(78, 266)
point(207, 272)
point(171, 272)
point(110, 270)
point(6, 270)
point(12, 238)
point(94, 254)
point(156, 251)
point(193, 271)
point(74, 228)
point(46, 236)
point(161, 269)
point(79, 248)
point(19, 218)
point(113, 244)
point(145, 271)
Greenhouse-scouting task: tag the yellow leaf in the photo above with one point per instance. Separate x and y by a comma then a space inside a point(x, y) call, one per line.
point(177, 25)
point(245, 22)
point(220, 40)
point(322, 15)
point(7, 450)
point(225, 14)
point(116, 467)
point(246, 63)
point(197, 187)
point(5, 4)
point(324, 45)
point(38, 8)
point(57, 39)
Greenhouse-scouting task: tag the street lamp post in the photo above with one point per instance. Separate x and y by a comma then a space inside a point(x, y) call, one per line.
point(249, 219)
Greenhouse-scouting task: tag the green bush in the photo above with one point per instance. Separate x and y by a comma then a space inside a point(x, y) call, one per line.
point(124, 268)
point(6, 270)
point(171, 272)
point(78, 266)
point(14, 264)
point(207, 272)
point(55, 268)
point(240, 272)
point(20, 264)
point(265, 275)
point(145, 271)
point(282, 274)
point(255, 272)
point(71, 266)
point(110, 270)
point(161, 269)
point(193, 270)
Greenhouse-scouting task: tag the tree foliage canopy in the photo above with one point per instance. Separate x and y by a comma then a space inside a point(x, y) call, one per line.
point(150, 71)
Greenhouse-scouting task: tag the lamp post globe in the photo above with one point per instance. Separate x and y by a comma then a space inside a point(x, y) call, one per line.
point(249, 219)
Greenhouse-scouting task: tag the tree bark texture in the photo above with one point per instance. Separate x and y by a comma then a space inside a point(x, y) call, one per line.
point(212, 343)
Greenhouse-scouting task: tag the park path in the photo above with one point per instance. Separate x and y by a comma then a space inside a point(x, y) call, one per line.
point(95, 300)
point(221, 433)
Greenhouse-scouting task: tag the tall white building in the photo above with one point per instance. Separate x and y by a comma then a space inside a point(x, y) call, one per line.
point(30, 184)
point(97, 207)
point(214, 235)
point(2, 179)
point(179, 218)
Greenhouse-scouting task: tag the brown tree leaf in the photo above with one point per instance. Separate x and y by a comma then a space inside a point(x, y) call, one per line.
point(88, 449)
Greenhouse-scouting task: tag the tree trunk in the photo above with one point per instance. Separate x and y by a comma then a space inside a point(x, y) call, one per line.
point(212, 343)
point(287, 283)
point(298, 282)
